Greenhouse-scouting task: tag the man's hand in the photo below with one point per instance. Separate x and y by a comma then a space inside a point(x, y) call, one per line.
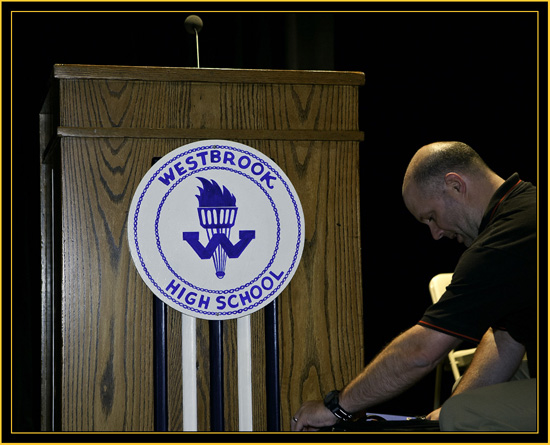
point(434, 415)
point(312, 416)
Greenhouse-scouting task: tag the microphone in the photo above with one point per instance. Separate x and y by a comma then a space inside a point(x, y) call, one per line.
point(193, 24)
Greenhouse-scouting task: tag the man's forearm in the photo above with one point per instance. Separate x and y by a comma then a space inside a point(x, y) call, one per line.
point(402, 363)
point(407, 359)
point(496, 359)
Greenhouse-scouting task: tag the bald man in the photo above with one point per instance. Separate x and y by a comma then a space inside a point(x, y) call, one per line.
point(491, 301)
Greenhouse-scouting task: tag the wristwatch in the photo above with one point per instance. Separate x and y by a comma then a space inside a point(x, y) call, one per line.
point(331, 402)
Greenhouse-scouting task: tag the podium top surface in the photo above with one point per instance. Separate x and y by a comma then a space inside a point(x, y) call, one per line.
point(175, 74)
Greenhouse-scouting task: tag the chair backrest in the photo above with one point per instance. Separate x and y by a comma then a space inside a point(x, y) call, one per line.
point(438, 284)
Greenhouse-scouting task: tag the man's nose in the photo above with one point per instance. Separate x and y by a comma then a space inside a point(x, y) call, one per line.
point(437, 233)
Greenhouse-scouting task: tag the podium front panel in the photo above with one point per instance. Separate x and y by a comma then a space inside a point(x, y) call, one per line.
point(109, 130)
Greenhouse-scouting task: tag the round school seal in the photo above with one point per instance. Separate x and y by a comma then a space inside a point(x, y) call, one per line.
point(216, 229)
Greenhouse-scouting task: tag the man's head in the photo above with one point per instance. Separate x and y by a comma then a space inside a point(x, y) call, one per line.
point(448, 187)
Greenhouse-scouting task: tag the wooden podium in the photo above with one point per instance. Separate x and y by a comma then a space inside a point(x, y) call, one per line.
point(101, 126)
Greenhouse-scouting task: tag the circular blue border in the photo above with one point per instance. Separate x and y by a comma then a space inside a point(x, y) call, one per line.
point(169, 297)
point(227, 291)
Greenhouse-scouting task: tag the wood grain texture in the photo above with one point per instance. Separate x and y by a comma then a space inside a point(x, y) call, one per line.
point(321, 309)
point(107, 310)
point(170, 105)
point(217, 75)
point(174, 379)
point(106, 351)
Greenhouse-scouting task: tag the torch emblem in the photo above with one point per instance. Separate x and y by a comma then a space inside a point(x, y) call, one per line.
point(217, 212)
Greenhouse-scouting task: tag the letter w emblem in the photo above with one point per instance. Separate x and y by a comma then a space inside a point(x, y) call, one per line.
point(219, 239)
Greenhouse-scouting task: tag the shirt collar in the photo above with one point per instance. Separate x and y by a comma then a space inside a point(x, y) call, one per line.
point(497, 198)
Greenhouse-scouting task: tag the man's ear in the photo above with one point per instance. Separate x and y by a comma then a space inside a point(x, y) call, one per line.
point(455, 184)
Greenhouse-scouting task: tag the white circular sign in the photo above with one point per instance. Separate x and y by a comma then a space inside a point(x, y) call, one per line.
point(216, 229)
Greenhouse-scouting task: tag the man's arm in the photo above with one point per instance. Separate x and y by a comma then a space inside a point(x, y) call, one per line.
point(496, 359)
point(407, 359)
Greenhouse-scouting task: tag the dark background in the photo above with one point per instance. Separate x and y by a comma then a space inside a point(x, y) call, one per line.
point(466, 75)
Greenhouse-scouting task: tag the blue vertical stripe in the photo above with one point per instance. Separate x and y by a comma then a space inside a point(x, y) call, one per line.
point(216, 376)
point(159, 354)
point(273, 395)
point(159, 359)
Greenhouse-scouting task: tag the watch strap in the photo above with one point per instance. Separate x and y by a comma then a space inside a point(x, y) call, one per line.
point(331, 402)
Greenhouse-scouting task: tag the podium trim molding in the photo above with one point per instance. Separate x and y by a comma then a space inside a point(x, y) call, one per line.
point(207, 133)
point(227, 75)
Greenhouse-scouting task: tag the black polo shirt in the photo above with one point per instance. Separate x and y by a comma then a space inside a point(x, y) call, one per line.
point(495, 281)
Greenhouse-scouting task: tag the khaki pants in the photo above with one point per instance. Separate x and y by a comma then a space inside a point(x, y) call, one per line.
point(509, 406)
